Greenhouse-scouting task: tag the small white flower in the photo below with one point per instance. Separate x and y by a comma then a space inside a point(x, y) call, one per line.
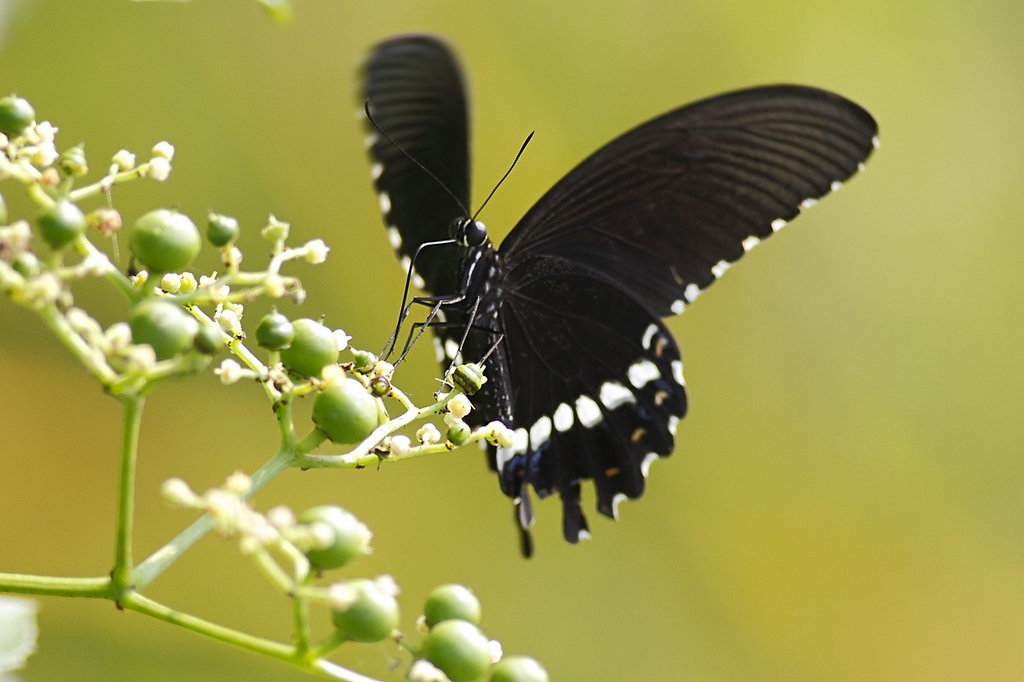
point(160, 168)
point(238, 482)
point(171, 282)
point(140, 277)
point(229, 372)
point(46, 288)
point(423, 670)
point(235, 255)
point(341, 596)
point(281, 517)
point(82, 323)
point(316, 251)
point(3, 141)
point(118, 335)
point(494, 648)
point(141, 356)
point(47, 132)
point(503, 435)
point(400, 445)
point(229, 322)
point(124, 160)
point(428, 434)
point(97, 265)
point(163, 150)
point(460, 406)
point(342, 338)
point(176, 491)
point(45, 155)
point(20, 236)
point(387, 585)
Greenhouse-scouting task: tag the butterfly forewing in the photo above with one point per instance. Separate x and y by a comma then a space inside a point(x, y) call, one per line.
point(414, 88)
point(670, 204)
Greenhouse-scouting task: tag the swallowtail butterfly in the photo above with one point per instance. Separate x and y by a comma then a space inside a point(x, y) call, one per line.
point(586, 373)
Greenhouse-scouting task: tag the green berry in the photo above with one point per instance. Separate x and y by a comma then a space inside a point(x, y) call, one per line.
point(459, 649)
point(313, 348)
point(73, 162)
point(164, 325)
point(380, 386)
point(351, 537)
point(164, 240)
point(210, 339)
point(459, 432)
point(446, 602)
point(221, 230)
point(346, 412)
point(371, 614)
point(469, 377)
point(519, 669)
point(61, 223)
point(274, 332)
point(26, 264)
point(16, 114)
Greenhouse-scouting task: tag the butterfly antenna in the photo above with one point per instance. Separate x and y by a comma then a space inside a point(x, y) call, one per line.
point(514, 161)
point(366, 108)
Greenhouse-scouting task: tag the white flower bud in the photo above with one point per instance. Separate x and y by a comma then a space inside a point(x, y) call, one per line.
point(342, 339)
point(400, 445)
point(387, 585)
point(238, 482)
point(229, 372)
point(118, 335)
point(171, 282)
point(124, 160)
point(423, 670)
point(176, 491)
point(316, 251)
point(494, 648)
point(160, 169)
point(428, 434)
point(281, 517)
point(163, 150)
point(459, 406)
point(229, 322)
point(341, 596)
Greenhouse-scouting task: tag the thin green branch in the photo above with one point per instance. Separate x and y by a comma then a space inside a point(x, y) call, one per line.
point(122, 574)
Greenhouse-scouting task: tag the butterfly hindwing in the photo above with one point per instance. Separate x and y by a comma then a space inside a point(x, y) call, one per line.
point(414, 88)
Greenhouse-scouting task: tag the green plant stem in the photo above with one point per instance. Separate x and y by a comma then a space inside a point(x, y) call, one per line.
point(42, 585)
point(122, 575)
point(157, 562)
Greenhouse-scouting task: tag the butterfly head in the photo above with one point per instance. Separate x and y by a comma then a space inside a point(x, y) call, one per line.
point(467, 232)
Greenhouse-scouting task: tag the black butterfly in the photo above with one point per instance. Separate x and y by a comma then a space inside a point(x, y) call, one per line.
point(587, 374)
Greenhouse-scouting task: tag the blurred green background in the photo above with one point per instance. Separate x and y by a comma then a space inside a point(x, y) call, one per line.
point(847, 497)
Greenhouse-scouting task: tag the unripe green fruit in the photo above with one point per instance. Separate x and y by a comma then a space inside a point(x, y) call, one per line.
point(346, 412)
point(446, 602)
point(164, 240)
point(459, 649)
point(16, 114)
point(351, 537)
point(164, 325)
point(221, 230)
point(275, 332)
point(60, 224)
point(371, 617)
point(210, 339)
point(519, 669)
point(459, 433)
point(313, 348)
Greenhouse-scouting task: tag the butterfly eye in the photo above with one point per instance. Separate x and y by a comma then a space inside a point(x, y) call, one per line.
point(467, 232)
